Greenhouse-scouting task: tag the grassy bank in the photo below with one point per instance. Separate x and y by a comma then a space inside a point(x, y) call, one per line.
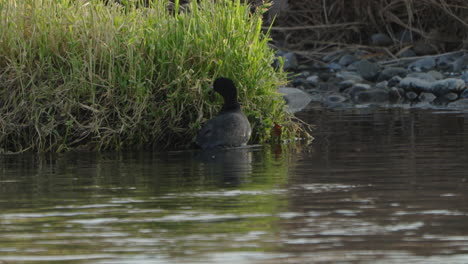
point(80, 74)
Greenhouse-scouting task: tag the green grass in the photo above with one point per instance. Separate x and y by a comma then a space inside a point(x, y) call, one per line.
point(78, 74)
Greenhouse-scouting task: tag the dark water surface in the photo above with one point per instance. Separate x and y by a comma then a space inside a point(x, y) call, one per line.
point(376, 186)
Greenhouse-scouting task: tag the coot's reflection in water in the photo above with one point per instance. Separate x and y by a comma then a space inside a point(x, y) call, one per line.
point(231, 166)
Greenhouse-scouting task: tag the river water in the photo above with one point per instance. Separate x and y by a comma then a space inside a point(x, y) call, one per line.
point(375, 186)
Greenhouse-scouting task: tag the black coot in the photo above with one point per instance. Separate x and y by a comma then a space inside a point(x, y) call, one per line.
point(230, 128)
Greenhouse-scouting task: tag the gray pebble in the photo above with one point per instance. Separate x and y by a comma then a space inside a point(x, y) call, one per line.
point(380, 39)
point(460, 64)
point(407, 53)
point(346, 75)
point(423, 76)
point(442, 87)
point(296, 99)
point(451, 96)
point(423, 64)
point(334, 66)
point(304, 74)
point(437, 75)
point(464, 94)
point(324, 76)
point(426, 97)
point(312, 80)
point(423, 48)
point(362, 85)
point(335, 99)
point(394, 81)
point(345, 84)
point(381, 85)
point(354, 90)
point(444, 62)
point(347, 60)
point(298, 82)
point(290, 61)
point(416, 84)
point(411, 95)
point(464, 77)
point(389, 72)
point(459, 104)
point(368, 70)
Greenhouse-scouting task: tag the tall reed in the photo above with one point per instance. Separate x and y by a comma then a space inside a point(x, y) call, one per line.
point(80, 74)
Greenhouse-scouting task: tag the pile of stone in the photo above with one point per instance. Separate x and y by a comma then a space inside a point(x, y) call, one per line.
point(344, 79)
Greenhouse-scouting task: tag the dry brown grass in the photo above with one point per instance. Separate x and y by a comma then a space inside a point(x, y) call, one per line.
point(314, 24)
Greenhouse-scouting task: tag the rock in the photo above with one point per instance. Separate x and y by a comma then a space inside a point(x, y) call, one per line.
point(334, 66)
point(389, 72)
point(381, 85)
point(298, 82)
point(464, 94)
point(324, 76)
point(312, 80)
point(335, 99)
point(415, 84)
point(394, 81)
point(346, 75)
point(423, 76)
point(352, 66)
point(445, 86)
point(407, 53)
point(324, 86)
point(290, 61)
point(304, 74)
point(423, 64)
point(444, 62)
point(355, 89)
point(296, 99)
point(372, 96)
point(451, 96)
point(368, 70)
point(460, 64)
point(437, 75)
point(411, 95)
point(347, 60)
point(464, 77)
point(345, 84)
point(459, 104)
point(362, 85)
point(306, 67)
point(380, 39)
point(423, 48)
point(426, 97)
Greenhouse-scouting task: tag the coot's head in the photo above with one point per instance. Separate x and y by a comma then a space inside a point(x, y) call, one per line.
point(226, 88)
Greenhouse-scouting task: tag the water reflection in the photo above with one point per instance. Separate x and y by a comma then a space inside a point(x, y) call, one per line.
point(233, 166)
point(376, 186)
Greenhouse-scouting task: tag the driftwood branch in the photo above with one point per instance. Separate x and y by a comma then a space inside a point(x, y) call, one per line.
point(342, 25)
point(411, 59)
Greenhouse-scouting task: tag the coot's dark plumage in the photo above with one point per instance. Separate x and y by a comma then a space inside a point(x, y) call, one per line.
point(230, 128)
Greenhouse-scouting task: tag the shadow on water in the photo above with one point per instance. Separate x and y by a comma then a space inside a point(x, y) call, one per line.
point(375, 186)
